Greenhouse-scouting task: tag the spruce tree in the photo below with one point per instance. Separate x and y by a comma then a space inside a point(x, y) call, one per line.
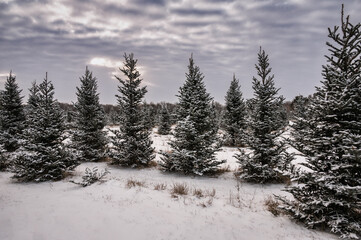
point(45, 157)
point(149, 113)
point(12, 115)
point(331, 193)
point(131, 143)
point(235, 114)
point(195, 136)
point(265, 125)
point(33, 99)
point(300, 114)
point(164, 120)
point(88, 138)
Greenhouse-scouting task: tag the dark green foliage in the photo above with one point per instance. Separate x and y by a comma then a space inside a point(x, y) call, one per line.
point(88, 138)
point(92, 176)
point(132, 143)
point(299, 123)
point(331, 193)
point(150, 113)
point(195, 137)
point(12, 115)
point(164, 121)
point(265, 125)
point(33, 99)
point(299, 106)
point(44, 157)
point(235, 114)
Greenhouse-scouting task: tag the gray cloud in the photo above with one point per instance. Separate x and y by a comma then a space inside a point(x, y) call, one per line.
point(196, 12)
point(62, 36)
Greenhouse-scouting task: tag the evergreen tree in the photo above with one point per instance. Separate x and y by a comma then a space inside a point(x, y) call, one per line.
point(331, 193)
point(265, 126)
point(195, 137)
point(299, 123)
point(12, 115)
point(235, 113)
point(164, 120)
point(33, 99)
point(149, 114)
point(132, 143)
point(89, 138)
point(299, 106)
point(44, 157)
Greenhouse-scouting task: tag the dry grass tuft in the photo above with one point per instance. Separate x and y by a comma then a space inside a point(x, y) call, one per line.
point(152, 164)
point(179, 189)
point(207, 203)
point(106, 159)
point(211, 193)
point(198, 193)
point(160, 186)
point(272, 206)
point(134, 183)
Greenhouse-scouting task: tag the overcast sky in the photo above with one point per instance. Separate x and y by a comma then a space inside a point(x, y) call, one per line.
point(63, 36)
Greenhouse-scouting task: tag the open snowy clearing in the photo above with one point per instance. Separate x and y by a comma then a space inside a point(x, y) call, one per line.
point(114, 210)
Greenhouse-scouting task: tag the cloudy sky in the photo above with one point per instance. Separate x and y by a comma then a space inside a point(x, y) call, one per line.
point(63, 36)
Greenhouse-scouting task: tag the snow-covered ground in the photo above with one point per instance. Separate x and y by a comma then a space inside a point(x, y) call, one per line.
point(113, 210)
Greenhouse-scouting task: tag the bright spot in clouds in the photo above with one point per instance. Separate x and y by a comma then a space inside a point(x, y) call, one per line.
point(105, 62)
point(4, 75)
point(108, 63)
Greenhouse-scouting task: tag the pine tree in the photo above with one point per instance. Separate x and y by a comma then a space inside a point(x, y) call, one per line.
point(44, 157)
point(195, 137)
point(300, 115)
point(265, 126)
point(88, 138)
point(132, 143)
point(164, 120)
point(33, 98)
point(149, 114)
point(12, 115)
point(331, 193)
point(235, 113)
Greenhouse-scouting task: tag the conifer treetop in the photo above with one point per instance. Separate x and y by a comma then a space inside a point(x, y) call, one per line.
point(193, 95)
point(264, 73)
point(234, 93)
point(46, 88)
point(131, 94)
point(33, 95)
point(12, 89)
point(346, 55)
point(87, 93)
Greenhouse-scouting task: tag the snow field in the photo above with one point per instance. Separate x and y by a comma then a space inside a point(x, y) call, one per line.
point(112, 210)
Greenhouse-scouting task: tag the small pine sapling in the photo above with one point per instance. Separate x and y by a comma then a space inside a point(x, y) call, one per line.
point(92, 176)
